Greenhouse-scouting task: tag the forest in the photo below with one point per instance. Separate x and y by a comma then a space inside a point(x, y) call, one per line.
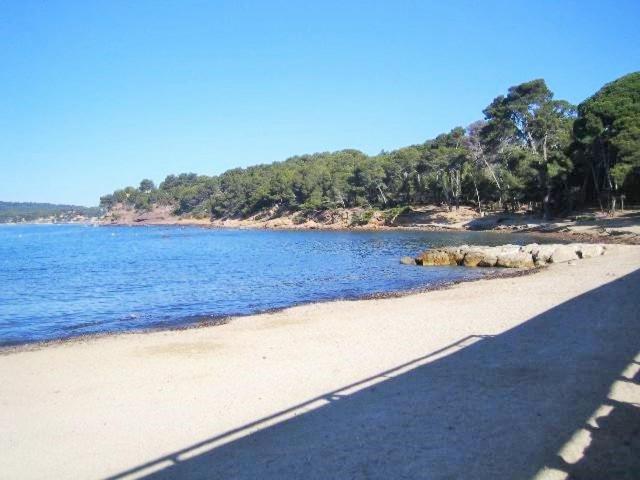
point(530, 151)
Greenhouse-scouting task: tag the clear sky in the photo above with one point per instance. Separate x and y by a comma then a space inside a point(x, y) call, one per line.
point(96, 95)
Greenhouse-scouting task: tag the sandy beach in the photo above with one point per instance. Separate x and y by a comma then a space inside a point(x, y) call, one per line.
point(527, 377)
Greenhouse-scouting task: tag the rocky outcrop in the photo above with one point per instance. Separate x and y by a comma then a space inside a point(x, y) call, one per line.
point(515, 260)
point(506, 256)
point(435, 258)
point(590, 250)
point(564, 253)
point(473, 258)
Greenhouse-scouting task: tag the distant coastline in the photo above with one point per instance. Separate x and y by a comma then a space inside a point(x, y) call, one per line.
point(47, 221)
point(36, 213)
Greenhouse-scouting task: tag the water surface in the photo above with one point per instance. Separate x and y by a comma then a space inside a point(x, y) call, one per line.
point(59, 281)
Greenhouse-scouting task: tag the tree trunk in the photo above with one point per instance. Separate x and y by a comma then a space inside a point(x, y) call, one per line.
point(596, 186)
point(384, 199)
point(583, 190)
point(546, 202)
point(458, 189)
point(495, 179)
point(475, 185)
point(607, 174)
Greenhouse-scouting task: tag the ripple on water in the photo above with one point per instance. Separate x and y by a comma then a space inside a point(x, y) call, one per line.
point(61, 281)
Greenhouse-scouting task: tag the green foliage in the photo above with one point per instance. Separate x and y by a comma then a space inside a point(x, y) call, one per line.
point(607, 133)
point(28, 211)
point(528, 123)
point(526, 150)
point(390, 215)
point(146, 185)
point(362, 218)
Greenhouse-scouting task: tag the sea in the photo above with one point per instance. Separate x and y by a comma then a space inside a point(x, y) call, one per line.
point(62, 281)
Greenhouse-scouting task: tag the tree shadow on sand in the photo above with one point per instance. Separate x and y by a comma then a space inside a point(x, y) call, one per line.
point(499, 408)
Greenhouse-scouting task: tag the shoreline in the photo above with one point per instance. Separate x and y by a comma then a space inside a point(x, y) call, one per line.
point(569, 237)
point(521, 363)
point(585, 226)
point(557, 233)
point(563, 233)
point(216, 321)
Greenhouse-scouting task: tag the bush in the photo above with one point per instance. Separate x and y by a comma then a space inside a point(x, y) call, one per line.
point(391, 214)
point(362, 218)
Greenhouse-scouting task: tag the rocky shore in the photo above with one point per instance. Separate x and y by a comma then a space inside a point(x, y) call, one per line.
point(506, 256)
point(588, 227)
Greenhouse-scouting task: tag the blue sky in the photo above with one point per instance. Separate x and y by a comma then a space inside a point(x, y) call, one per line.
point(97, 95)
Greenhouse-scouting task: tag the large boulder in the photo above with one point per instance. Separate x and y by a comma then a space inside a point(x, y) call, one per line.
point(542, 253)
point(488, 260)
point(515, 260)
point(590, 251)
point(435, 258)
point(563, 253)
point(456, 254)
point(473, 258)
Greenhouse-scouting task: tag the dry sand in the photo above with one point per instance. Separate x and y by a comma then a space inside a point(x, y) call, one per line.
point(504, 378)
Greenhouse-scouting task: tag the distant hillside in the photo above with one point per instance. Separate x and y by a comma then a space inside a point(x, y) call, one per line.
point(11, 212)
point(530, 152)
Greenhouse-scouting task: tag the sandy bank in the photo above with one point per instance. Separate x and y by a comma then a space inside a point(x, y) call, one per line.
point(490, 379)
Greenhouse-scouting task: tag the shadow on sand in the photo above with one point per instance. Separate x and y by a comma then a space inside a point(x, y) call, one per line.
point(501, 407)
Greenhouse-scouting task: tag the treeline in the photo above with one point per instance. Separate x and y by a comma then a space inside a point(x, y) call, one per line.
point(530, 149)
point(28, 211)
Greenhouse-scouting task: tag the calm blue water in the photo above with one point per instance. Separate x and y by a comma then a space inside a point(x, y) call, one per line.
point(59, 281)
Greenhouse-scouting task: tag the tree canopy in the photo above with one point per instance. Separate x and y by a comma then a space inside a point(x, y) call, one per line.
point(607, 134)
point(530, 148)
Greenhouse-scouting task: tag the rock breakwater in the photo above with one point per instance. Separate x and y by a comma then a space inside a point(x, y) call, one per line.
point(505, 256)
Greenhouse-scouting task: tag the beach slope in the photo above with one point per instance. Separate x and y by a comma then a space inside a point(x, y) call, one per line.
point(534, 376)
